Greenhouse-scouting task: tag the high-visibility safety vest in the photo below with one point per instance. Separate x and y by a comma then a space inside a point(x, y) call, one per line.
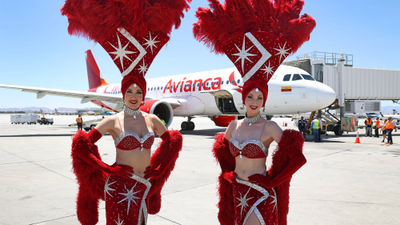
point(368, 122)
point(315, 124)
point(79, 120)
point(389, 125)
point(377, 124)
point(383, 126)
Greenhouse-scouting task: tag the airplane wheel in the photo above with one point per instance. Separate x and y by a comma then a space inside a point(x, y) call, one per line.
point(191, 125)
point(184, 125)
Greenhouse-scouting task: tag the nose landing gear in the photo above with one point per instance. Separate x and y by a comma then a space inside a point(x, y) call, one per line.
point(187, 125)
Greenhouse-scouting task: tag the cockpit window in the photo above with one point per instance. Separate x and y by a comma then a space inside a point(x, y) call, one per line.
point(307, 77)
point(286, 77)
point(297, 77)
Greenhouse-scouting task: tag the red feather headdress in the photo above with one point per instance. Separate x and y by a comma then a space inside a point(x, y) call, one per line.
point(131, 31)
point(256, 35)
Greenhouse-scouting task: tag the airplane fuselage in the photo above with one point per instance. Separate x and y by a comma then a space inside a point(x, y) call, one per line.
point(218, 92)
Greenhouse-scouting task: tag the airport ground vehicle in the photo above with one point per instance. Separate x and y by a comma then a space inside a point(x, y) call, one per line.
point(45, 121)
point(88, 125)
point(30, 118)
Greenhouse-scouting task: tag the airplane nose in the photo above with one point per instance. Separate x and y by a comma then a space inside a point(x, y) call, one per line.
point(326, 95)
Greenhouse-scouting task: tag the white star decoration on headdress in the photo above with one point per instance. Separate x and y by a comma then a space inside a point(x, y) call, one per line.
point(243, 201)
point(267, 69)
point(121, 52)
point(151, 42)
point(243, 53)
point(143, 68)
point(107, 187)
point(119, 222)
point(130, 196)
point(282, 51)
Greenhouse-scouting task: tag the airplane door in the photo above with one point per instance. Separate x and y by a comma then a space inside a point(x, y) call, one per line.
point(224, 102)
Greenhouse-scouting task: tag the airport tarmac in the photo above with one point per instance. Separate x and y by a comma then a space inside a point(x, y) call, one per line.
point(343, 183)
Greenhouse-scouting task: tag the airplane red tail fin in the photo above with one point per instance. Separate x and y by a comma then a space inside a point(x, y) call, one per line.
point(93, 72)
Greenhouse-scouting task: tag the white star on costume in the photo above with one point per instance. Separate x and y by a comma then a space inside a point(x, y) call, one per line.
point(151, 42)
point(121, 52)
point(143, 68)
point(119, 222)
point(267, 69)
point(243, 53)
point(282, 51)
point(274, 201)
point(243, 201)
point(107, 187)
point(130, 196)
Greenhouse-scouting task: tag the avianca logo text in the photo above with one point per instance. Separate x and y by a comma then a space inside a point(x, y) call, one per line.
point(191, 85)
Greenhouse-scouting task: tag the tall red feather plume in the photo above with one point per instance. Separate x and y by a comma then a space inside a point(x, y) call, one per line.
point(256, 35)
point(220, 23)
point(99, 19)
point(131, 31)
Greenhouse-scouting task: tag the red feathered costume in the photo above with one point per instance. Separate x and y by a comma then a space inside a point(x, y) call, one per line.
point(132, 32)
point(257, 36)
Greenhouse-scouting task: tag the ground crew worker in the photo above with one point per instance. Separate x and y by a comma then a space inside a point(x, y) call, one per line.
point(301, 124)
point(315, 127)
point(79, 122)
point(320, 128)
point(368, 127)
point(390, 125)
point(384, 130)
point(377, 126)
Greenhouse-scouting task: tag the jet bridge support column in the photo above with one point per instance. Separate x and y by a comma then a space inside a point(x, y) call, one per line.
point(340, 66)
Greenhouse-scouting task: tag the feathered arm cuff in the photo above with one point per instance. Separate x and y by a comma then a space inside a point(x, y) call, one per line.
point(227, 162)
point(222, 154)
point(161, 165)
point(91, 173)
point(91, 180)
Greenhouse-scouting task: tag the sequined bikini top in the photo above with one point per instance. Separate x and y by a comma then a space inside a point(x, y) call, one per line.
point(129, 140)
point(251, 148)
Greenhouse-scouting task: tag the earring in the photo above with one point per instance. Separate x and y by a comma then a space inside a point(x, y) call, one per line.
point(263, 109)
point(241, 106)
point(142, 103)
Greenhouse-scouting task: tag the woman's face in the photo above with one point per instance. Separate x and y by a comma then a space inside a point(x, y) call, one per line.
point(254, 101)
point(133, 96)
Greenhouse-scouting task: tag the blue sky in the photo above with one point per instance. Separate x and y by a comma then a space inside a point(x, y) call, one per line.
point(36, 49)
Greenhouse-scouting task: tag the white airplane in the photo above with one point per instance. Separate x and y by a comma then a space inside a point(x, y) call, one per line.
point(216, 94)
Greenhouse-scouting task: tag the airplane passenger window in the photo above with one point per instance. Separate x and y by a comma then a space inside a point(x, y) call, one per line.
point(286, 77)
point(307, 77)
point(222, 82)
point(227, 82)
point(297, 77)
point(238, 81)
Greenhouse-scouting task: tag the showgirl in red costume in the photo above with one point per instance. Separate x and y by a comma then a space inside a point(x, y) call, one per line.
point(132, 32)
point(256, 35)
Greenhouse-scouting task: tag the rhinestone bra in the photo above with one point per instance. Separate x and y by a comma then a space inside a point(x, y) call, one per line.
point(251, 148)
point(129, 140)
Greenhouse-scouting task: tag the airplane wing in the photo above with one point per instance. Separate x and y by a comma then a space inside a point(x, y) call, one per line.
point(83, 95)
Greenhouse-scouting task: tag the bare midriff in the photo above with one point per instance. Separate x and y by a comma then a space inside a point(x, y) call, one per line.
point(246, 167)
point(137, 159)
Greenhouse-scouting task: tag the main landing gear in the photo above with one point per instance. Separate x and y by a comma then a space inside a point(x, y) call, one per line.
point(187, 125)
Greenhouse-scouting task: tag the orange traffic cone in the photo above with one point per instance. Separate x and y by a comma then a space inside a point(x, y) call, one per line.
point(357, 139)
